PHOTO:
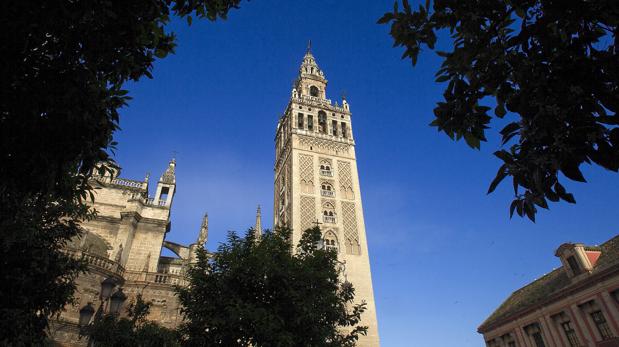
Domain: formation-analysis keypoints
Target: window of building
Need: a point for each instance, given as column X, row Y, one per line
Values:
column 508, row 340
column 322, row 122
column 325, row 168
column 601, row 324
column 573, row 265
column 300, row 121
column 328, row 213
column 334, row 127
column 344, row 131
column 615, row 295
column 538, row 339
column 330, row 241
column 570, row 334
column 327, row 189
column 163, row 197
column 535, row 333
column 310, row 122
column 314, row 90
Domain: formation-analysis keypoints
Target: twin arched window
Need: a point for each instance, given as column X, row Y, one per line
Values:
column 330, row 241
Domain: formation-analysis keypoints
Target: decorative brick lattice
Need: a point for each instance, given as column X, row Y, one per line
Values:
column 288, row 192
column 306, row 170
column 344, row 172
column 308, row 212
column 349, row 219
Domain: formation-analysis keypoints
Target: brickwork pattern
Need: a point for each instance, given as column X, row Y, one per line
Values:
column 308, row 212
column 349, row 219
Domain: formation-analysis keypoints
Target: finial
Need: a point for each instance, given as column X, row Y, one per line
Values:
column 258, row 226
column 309, row 46
column 147, row 177
column 343, row 94
column 203, row 235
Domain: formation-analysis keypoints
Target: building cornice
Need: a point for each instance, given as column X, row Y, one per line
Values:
column 588, row 282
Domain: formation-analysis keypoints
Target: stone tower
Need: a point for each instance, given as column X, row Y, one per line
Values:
column 316, row 181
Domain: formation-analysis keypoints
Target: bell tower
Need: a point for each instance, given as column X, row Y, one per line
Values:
column 316, row 181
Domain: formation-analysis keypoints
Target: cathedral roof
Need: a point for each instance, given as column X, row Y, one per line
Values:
column 550, row 287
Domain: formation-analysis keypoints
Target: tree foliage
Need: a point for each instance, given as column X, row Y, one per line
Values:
column 259, row 293
column 551, row 67
column 110, row 330
column 63, row 67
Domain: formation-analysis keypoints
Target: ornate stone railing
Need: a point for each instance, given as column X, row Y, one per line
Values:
column 326, row 173
column 328, row 219
column 97, row 261
column 328, row 193
column 127, row 183
column 156, row 277
column 151, row 201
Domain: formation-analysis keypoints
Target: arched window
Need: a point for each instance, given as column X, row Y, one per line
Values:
column 325, row 168
column 330, row 241
column 328, row 213
column 314, row 91
column 326, row 189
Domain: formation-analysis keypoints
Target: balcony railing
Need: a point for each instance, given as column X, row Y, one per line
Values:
column 156, row 277
column 328, row 193
column 127, row 183
column 151, row 201
column 326, row 173
column 328, row 219
column 97, row 261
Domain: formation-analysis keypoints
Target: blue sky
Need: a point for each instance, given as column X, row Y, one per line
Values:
column 443, row 253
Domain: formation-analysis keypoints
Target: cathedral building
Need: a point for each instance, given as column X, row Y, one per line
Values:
column 316, row 181
column 122, row 247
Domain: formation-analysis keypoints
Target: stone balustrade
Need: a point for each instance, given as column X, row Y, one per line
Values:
column 328, row 193
column 127, row 182
column 156, row 277
column 97, row 261
column 328, row 219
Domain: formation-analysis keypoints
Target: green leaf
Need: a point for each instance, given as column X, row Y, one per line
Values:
column 472, row 140
column 530, row 210
column 501, row 174
column 499, row 111
column 572, row 172
column 385, row 18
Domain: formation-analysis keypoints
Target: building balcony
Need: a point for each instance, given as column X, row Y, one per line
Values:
column 97, row 262
column 328, row 193
column 151, row 202
column 326, row 173
column 329, row 219
column 156, row 277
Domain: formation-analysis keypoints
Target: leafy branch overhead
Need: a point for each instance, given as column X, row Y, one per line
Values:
column 550, row 67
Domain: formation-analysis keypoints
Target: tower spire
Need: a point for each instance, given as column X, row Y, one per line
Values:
column 309, row 46
column 203, row 236
column 258, row 226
